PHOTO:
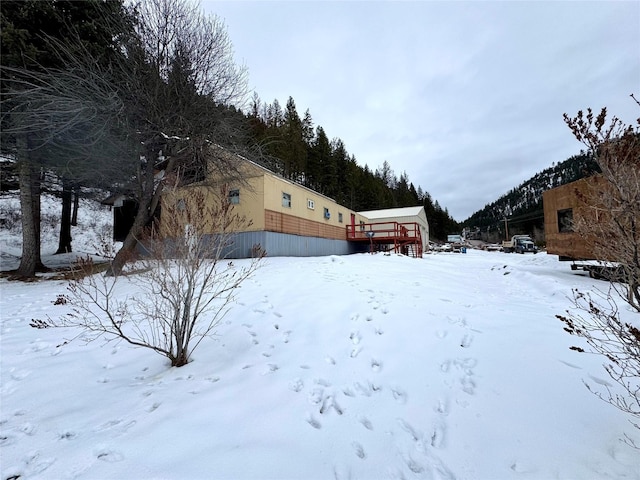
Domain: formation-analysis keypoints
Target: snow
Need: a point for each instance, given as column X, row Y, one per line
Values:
column 350, row 367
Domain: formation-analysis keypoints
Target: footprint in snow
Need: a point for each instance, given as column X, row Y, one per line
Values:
column 468, row 385
column 466, row 341
column 110, row 456
column 271, row 368
column 366, row 423
column 28, row 429
column 296, row 385
column 399, row 395
column 355, row 337
column 67, row 435
column 376, row 365
column 437, row 435
column 443, row 407
column 313, row 422
column 360, row 453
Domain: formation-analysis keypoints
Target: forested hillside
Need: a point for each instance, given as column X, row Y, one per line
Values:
column 292, row 146
column 522, row 206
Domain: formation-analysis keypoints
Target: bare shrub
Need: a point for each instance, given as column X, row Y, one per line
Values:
column 181, row 286
column 598, row 321
column 612, row 233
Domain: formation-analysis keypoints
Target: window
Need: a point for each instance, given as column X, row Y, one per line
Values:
column 361, row 225
column 565, row 220
column 181, row 205
column 311, row 205
column 286, row 200
column 327, row 215
column 234, row 196
column 340, row 217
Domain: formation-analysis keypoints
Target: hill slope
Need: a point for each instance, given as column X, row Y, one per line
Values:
column 522, row 205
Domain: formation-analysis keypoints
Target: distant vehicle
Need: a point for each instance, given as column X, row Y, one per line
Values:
column 456, row 242
column 519, row 244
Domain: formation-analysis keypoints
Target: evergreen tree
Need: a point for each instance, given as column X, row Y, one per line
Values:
column 45, row 122
column 294, row 148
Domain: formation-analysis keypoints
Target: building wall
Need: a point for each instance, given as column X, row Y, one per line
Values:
column 274, row 244
column 275, row 187
column 567, row 244
column 296, row 229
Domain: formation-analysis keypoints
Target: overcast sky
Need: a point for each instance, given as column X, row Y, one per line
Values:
column 466, row 97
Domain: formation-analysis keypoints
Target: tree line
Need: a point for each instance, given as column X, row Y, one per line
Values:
column 292, row 146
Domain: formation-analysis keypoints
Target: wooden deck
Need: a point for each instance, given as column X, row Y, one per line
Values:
column 404, row 238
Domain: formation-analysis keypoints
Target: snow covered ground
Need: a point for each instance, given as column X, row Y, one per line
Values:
column 354, row 367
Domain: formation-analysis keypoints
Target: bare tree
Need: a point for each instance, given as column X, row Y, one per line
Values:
column 180, row 75
column 183, row 285
column 610, row 224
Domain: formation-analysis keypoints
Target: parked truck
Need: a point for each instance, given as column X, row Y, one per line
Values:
column 519, row 244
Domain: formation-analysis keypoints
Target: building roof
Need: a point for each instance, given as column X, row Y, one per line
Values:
column 393, row 212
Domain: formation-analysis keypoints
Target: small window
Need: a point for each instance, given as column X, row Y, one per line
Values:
column 361, row 226
column 340, row 217
column 311, row 205
column 234, row 196
column 286, row 200
column 180, row 205
column 327, row 215
column 565, row 220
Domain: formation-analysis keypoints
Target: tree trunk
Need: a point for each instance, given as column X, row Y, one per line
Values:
column 127, row 251
column 147, row 205
column 64, row 244
column 76, row 205
column 30, row 262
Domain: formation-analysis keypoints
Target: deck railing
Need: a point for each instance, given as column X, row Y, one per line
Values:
column 402, row 237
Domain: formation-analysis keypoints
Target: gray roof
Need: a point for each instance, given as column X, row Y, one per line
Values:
column 393, row 212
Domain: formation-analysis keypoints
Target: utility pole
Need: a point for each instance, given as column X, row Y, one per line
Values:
column 506, row 228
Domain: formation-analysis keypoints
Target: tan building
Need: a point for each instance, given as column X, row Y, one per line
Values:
column 283, row 218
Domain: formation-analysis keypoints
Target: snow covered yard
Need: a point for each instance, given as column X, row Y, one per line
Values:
column 354, row 367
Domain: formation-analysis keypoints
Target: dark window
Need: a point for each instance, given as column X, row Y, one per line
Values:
column 286, row 200
column 234, row 196
column 565, row 220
